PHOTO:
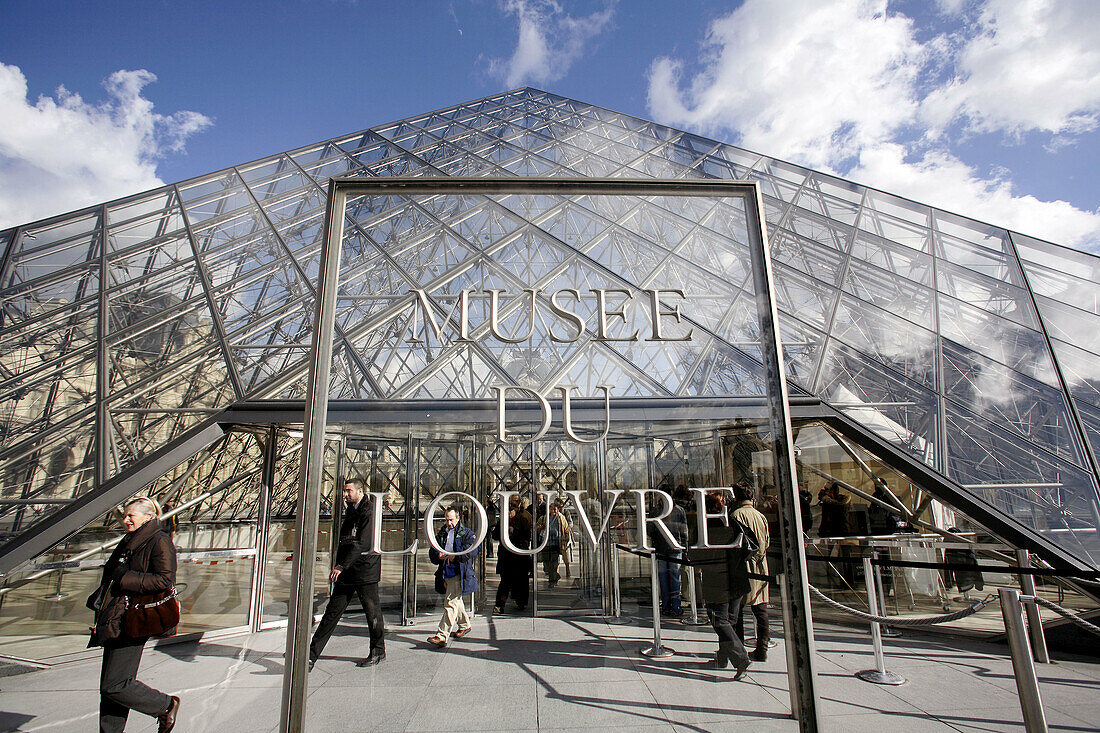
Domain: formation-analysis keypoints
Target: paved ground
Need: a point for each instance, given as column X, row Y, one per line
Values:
column 516, row 674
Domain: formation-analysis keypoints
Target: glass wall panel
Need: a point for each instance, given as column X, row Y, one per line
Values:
column 42, row 607
column 278, row 574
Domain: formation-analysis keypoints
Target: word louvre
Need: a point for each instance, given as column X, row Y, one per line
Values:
column 641, row 509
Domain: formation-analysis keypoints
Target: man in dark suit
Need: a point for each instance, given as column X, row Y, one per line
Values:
column 356, row 572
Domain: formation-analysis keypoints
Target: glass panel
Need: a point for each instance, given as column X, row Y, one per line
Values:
column 1020, row 348
column 1064, row 288
column 214, row 197
column 894, row 294
column 1023, row 481
column 895, row 342
column 1010, row 399
column 972, row 231
column 914, row 236
column 281, row 529
column 820, row 230
column 1064, row 322
column 996, row 264
column 1081, row 370
column 46, row 470
column 1080, row 265
column 167, row 221
column 47, row 389
column 988, row 293
column 893, row 407
column 144, row 262
column 894, row 258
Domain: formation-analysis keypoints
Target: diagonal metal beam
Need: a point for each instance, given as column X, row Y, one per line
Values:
column 86, row 508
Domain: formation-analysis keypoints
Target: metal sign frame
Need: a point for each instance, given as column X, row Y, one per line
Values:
column 801, row 654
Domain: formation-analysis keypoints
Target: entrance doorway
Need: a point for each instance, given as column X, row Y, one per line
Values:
column 413, row 464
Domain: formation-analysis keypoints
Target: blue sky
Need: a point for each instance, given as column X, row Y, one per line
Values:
column 985, row 107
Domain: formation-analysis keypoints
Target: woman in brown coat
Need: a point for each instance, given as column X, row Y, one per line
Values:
column 144, row 562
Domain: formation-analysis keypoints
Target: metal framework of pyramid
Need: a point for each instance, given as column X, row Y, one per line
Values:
column 974, row 349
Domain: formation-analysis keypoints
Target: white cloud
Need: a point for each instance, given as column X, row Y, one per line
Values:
column 816, row 81
column 550, row 41
column 1029, row 65
column 942, row 180
column 840, row 86
column 62, row 153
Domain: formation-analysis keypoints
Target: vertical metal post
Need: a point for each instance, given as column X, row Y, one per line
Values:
column 1023, row 668
column 694, row 619
column 58, row 595
column 616, row 597
column 293, row 709
column 787, row 648
column 408, row 562
column 801, row 674
column 883, row 628
column 656, row 651
column 533, row 597
column 259, row 566
column 878, row 675
column 1034, row 620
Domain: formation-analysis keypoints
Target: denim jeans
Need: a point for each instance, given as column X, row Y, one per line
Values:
column 668, row 575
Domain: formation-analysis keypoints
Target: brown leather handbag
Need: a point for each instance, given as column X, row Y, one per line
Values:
column 156, row 614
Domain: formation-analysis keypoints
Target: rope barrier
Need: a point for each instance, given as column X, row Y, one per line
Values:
column 1073, row 618
column 890, row 620
column 907, row 620
column 881, row 562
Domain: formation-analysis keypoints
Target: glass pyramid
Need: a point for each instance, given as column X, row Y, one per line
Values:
column 974, row 349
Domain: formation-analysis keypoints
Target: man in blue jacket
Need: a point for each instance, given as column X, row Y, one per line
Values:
column 356, row 573
column 454, row 576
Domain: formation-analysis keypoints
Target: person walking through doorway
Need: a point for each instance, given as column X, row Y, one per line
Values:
column 757, row 564
column 725, row 582
column 357, row 572
column 454, row 575
column 514, row 569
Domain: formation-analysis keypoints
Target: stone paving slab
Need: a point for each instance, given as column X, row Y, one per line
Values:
column 566, row 674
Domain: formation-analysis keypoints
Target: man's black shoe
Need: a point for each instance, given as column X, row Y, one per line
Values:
column 376, row 657
column 166, row 721
column 760, row 653
column 741, row 671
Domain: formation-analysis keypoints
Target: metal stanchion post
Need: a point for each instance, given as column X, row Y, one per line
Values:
column 656, row 651
column 1027, row 685
column 878, row 675
column 616, row 617
column 58, row 595
column 693, row 619
column 1034, row 620
column 883, row 629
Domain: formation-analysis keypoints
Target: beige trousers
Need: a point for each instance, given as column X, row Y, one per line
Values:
column 454, row 609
